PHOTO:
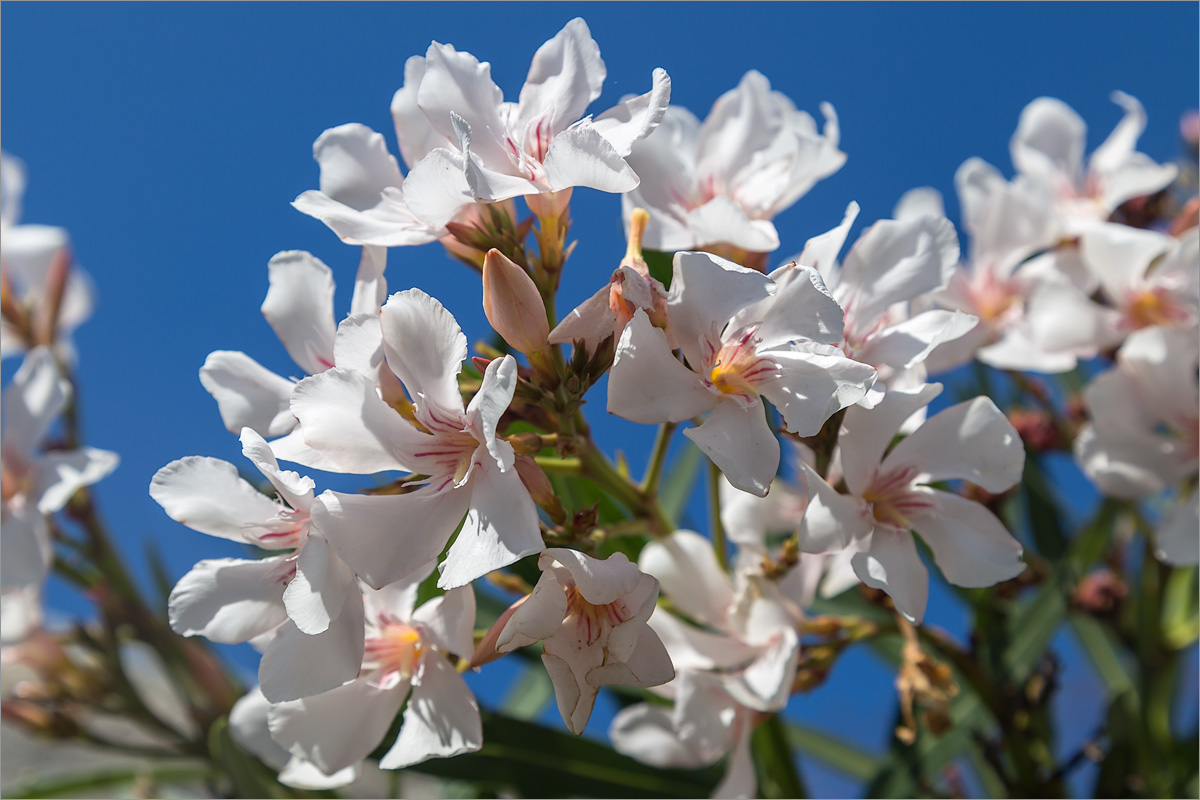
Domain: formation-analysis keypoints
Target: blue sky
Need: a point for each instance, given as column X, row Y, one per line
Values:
column 170, row 138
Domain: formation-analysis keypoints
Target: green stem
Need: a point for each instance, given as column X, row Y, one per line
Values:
column 561, row 466
column 595, row 465
column 778, row 775
column 714, row 514
column 658, row 458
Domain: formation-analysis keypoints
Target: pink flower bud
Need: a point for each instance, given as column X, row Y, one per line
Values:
column 513, row 305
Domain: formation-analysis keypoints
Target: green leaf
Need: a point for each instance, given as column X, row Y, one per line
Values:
column 540, row 762
column 660, row 265
column 119, row 781
column 1102, row 647
column 1045, row 519
column 677, row 486
column 774, row 762
column 1181, row 609
column 832, row 751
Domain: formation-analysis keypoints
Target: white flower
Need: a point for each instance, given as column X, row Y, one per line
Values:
column 304, row 600
column 404, row 658
column 592, row 615
column 889, row 496
column 1144, row 436
column 745, row 336
column 299, row 307
column 1048, row 147
column 536, row 145
column 34, row 485
column 724, row 180
column 468, row 469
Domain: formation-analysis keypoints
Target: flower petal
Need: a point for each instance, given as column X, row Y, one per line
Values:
column 34, row 399
column 385, row 538
column 501, row 527
column 230, row 600
column 297, row 665
column 208, row 495
column 425, row 348
column 635, row 118
column 803, row 309
column 891, row 563
column 414, row 134
column 458, row 83
column 600, row 581
column 686, row 567
column 706, row 291
column 436, row 188
column 489, row 404
column 722, row 220
column 647, row 384
column 565, row 76
column 299, row 307
column 740, row 442
column 1176, row 541
column 866, row 433
column 442, row 718
column 832, row 521
column 970, row 545
column 448, row 621
column 321, row 585
column 61, row 473
column 813, row 383
column 370, row 286
column 647, row 733
column 1049, row 140
column 248, row 394
column 580, row 156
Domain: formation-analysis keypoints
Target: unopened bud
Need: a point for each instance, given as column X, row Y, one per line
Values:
column 1100, row 592
column 485, row 651
column 513, row 305
column 1036, row 428
column 540, row 488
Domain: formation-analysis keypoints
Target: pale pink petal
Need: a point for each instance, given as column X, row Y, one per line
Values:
column 565, row 76
column 339, row 728
column 343, row 418
column 385, row 538
column 501, row 527
column 538, row 617
column 686, row 567
column 649, row 385
column 866, row 433
column 814, row 382
column 208, row 495
column 297, row 664
column 448, row 621
column 694, row 648
column 1049, row 140
column 489, row 404
column 832, row 521
column 647, row 665
column 600, row 581
column 766, row 683
column 321, row 585
column 970, row 545
column 425, row 348
column 34, row 399
column 635, row 118
column 739, row 780
column 592, row 321
column 574, row 696
column 230, row 600
column 972, row 441
column 647, row 733
column 706, row 291
column 891, row 563
column 60, row 473
column 248, row 394
column 299, row 306
column 580, row 156
column 722, row 220
column 442, row 718
column 740, row 442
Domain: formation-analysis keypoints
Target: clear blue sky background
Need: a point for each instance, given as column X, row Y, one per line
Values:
column 170, row 138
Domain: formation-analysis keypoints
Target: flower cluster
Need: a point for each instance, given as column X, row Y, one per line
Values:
column 365, row 603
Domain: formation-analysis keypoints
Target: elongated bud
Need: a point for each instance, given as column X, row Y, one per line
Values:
column 633, row 252
column 485, row 651
column 540, row 488
column 513, row 305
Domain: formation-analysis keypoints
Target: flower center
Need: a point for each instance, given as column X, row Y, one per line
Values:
column 1152, row 307
column 892, row 498
column 591, row 620
column 737, row 369
column 395, row 648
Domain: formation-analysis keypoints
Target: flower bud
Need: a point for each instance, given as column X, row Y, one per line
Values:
column 513, row 305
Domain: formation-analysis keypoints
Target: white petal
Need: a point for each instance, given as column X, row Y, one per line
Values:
column 20, row 613
column 370, row 286
column 1120, row 255
column 489, row 404
column 970, row 545
column 295, row 489
column 1061, row 317
column 908, row 343
column 767, row 682
column 321, row 585
column 448, row 621
column 207, row 495
column 248, row 394
column 600, row 581
column 892, row 564
column 739, row 780
column 647, row 665
column 706, row 291
column 300, row 773
column 803, row 309
column 385, row 538
column 647, row 733
column 538, row 617
column 832, row 521
column 442, row 718
column 1016, row 350
column 248, row 727
column 25, row 551
column 458, row 83
column 414, row 134
column 501, row 527
column 866, row 433
column 36, row 396
column 923, row 201
column 230, row 600
column 687, row 571
column 814, row 382
column 355, row 165
column 389, row 224
column 338, row 728
column 1049, row 140
column 436, row 188
column 343, row 418
column 894, row 262
column 299, row 306
column 694, row 648
column 972, row 440
column 592, row 321
column 582, row 157
column 425, row 348
column 634, row 118
column 565, row 76
column 722, row 220
column 740, row 442
column 820, row 252
column 649, row 385
column 61, row 473
column 1139, row 176
column 297, row 665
